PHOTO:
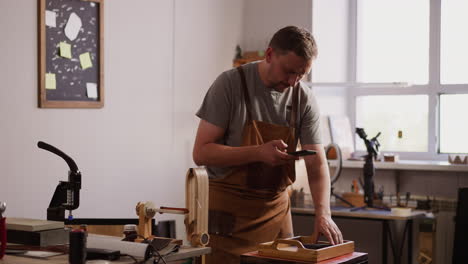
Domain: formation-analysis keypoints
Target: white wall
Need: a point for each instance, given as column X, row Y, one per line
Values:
column 262, row 18
column 330, row 29
column 160, row 58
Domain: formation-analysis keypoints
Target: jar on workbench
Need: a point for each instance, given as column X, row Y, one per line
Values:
column 130, row 233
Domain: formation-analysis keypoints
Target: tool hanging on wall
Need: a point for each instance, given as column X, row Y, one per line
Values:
column 196, row 197
column 67, row 193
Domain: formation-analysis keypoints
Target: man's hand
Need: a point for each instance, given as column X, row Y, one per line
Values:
column 324, row 225
column 206, row 150
column 274, row 153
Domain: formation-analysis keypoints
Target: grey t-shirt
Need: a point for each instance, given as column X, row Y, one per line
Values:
column 224, row 106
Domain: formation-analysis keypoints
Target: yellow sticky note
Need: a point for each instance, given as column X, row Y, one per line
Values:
column 50, row 81
column 85, row 60
column 65, row 50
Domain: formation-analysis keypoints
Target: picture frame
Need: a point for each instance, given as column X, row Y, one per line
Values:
column 71, row 57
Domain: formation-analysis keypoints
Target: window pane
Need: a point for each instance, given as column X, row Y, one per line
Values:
column 390, row 114
column 454, row 40
column 393, row 41
column 453, row 123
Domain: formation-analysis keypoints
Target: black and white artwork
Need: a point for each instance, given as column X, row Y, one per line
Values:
column 72, row 50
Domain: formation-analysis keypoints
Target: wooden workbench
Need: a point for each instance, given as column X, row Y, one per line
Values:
column 183, row 253
column 344, row 217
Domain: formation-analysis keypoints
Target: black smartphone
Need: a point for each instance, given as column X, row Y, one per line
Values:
column 303, row 152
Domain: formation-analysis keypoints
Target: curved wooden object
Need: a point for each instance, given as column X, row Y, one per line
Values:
column 196, row 198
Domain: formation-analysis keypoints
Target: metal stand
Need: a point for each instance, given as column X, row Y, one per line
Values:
column 67, row 193
column 372, row 146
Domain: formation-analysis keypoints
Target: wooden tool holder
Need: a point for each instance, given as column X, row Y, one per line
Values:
column 196, row 197
column 145, row 212
column 294, row 249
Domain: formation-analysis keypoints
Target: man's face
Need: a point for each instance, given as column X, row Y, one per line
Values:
column 286, row 69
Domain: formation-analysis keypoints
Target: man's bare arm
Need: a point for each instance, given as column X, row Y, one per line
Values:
column 207, row 152
column 319, row 183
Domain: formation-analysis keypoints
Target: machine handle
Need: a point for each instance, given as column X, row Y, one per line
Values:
column 182, row 210
column 71, row 163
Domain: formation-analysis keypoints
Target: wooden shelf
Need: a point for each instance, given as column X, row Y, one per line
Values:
column 369, row 214
column 247, row 57
column 420, row 165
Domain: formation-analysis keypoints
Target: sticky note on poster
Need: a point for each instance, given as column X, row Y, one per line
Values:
column 65, row 50
column 73, row 26
column 50, row 82
column 91, row 90
column 85, row 60
column 50, row 18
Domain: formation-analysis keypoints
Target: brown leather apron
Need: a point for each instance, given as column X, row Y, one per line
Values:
column 250, row 205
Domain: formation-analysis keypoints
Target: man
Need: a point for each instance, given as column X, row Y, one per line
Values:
column 250, row 118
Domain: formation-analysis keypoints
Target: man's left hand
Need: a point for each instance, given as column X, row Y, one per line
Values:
column 324, row 225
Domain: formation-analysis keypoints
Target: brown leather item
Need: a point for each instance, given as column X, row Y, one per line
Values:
column 221, row 223
column 250, row 205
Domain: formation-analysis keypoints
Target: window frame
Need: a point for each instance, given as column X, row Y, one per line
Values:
column 433, row 88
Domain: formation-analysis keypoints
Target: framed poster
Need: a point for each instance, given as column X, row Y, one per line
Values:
column 71, row 70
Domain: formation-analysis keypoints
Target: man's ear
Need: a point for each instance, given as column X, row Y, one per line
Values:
column 268, row 54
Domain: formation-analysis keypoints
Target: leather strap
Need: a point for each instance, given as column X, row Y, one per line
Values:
column 246, row 93
column 295, row 99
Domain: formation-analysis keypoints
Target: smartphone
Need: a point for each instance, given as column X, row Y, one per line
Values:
column 303, row 152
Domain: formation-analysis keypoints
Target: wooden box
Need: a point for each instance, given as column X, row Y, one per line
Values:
column 294, row 249
column 355, row 199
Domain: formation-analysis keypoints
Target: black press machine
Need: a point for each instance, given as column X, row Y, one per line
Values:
column 67, row 193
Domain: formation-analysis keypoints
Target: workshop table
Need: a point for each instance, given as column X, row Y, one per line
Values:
column 184, row 252
column 382, row 216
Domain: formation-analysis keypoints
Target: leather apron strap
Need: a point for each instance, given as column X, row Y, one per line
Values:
column 245, row 92
column 248, row 105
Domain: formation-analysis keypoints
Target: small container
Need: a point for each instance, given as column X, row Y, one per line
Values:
column 401, row 211
column 130, row 233
column 77, row 252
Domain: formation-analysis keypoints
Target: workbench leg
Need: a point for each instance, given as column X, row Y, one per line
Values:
column 199, row 260
column 384, row 241
column 410, row 242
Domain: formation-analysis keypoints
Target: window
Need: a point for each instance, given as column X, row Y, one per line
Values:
column 453, row 123
column 393, row 47
column 393, row 41
column 406, row 73
column 454, row 40
column 401, row 120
